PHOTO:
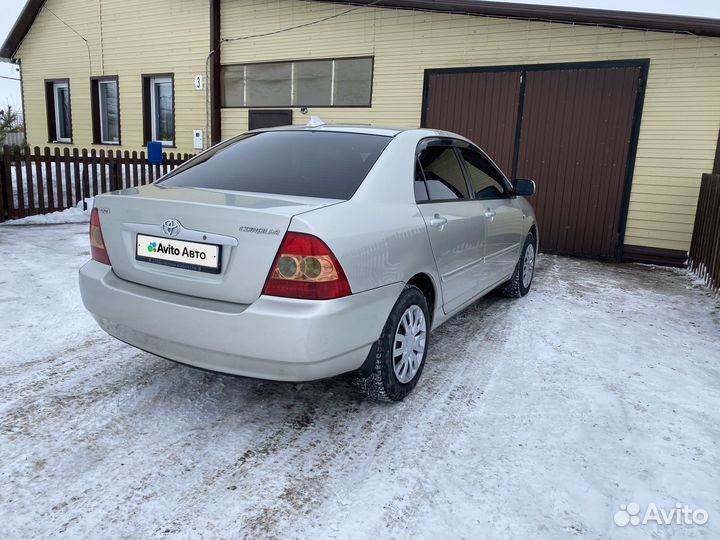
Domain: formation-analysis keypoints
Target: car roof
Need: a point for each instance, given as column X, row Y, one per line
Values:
column 364, row 129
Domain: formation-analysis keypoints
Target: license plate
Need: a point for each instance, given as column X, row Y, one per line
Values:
column 178, row 253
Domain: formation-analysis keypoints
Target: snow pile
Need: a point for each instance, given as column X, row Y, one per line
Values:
column 69, row 215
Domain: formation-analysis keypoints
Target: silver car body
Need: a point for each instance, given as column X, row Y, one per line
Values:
column 381, row 237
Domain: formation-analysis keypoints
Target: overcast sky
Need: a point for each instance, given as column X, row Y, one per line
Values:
column 10, row 90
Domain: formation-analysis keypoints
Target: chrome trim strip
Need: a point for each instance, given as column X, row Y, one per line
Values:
column 502, row 251
column 468, row 266
column 185, row 234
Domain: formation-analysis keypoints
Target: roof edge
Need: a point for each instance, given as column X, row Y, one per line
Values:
column 699, row 26
column 20, row 29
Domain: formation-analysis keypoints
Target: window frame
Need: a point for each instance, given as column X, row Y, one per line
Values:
column 484, row 156
column 292, row 94
column 149, row 121
column 450, row 143
column 97, row 110
column 457, row 144
column 51, row 108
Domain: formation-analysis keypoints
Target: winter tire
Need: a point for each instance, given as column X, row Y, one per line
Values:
column 521, row 280
column 401, row 350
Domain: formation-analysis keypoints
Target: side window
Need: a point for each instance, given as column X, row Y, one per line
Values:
column 443, row 176
column 105, row 107
column 421, row 194
column 159, row 109
column 59, row 117
column 485, row 181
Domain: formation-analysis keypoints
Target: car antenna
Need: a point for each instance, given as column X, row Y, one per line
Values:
column 315, row 121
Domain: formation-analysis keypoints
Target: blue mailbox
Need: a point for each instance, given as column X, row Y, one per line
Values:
column 155, row 153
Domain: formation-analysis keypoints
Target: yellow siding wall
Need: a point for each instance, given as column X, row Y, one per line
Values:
column 138, row 37
column 681, row 116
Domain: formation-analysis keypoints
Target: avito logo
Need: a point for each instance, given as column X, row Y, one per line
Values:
column 169, row 249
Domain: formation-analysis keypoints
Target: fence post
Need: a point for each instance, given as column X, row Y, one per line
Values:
column 4, row 182
column 67, row 178
column 85, row 177
column 49, row 180
column 143, row 164
column 59, row 189
column 112, row 174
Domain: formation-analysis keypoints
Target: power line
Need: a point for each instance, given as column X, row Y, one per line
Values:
column 87, row 45
column 274, row 32
column 304, row 25
column 10, row 78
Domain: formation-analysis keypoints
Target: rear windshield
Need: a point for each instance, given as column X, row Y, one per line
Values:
column 322, row 164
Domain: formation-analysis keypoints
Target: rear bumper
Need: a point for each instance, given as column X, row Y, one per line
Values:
column 274, row 338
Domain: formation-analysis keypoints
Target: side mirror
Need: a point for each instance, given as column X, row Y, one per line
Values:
column 523, row 187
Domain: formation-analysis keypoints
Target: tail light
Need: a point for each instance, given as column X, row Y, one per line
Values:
column 306, row 268
column 97, row 244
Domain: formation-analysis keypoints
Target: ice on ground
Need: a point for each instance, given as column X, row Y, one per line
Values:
column 534, row 418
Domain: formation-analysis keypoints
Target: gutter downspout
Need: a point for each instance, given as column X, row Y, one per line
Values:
column 214, row 82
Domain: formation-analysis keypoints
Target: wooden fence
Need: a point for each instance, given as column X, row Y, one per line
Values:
column 35, row 182
column 705, row 246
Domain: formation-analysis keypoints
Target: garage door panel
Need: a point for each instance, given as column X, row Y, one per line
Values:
column 575, row 142
column 480, row 106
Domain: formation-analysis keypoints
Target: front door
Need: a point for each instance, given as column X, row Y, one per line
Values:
column 502, row 216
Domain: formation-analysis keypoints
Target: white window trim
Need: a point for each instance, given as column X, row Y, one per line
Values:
column 153, row 107
column 332, row 85
column 57, row 86
column 103, row 139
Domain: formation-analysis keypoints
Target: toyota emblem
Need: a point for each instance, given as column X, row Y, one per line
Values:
column 171, row 227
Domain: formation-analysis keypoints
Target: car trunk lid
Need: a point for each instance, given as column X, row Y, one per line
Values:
column 247, row 227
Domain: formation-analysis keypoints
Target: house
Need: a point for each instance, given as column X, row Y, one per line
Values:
column 615, row 115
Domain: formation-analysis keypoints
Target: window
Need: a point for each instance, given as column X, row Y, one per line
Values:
column 268, row 84
column 443, row 176
column 313, row 83
column 343, row 82
column 352, row 82
column 485, row 180
column 325, row 164
column 59, row 117
column 159, row 109
column 105, row 104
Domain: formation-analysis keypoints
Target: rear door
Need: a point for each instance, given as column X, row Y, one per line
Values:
column 501, row 213
column 454, row 225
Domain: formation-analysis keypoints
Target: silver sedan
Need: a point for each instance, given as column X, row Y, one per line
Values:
column 296, row 254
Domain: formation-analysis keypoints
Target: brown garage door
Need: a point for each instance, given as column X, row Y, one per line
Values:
column 481, row 106
column 575, row 137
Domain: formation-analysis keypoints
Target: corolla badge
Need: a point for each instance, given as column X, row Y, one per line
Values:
column 171, row 227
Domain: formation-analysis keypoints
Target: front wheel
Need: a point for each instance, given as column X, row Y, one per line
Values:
column 401, row 349
column 519, row 284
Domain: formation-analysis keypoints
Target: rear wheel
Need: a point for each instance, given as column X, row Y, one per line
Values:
column 519, row 284
column 401, row 350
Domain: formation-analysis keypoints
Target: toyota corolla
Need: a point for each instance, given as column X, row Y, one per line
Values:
column 295, row 254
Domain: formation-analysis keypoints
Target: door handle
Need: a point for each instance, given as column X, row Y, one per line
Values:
column 490, row 213
column 438, row 221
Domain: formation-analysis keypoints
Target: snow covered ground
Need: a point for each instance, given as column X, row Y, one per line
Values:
column 76, row 214
column 535, row 418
